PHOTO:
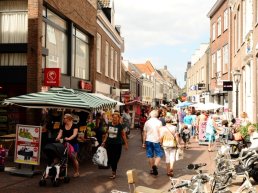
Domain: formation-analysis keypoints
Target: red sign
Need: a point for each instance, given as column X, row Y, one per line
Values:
column 85, row 85
column 52, row 77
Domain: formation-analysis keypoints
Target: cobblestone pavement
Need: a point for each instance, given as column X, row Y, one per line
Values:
column 94, row 180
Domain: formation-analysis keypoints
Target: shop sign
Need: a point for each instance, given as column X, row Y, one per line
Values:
column 124, row 85
column 85, row 85
column 27, row 145
column 52, row 77
column 227, row 85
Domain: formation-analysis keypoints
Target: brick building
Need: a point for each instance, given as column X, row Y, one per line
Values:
column 220, row 60
column 39, row 34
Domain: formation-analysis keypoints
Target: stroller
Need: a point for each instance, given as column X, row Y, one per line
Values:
column 57, row 158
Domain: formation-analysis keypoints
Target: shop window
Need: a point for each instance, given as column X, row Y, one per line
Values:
column 54, row 32
column 13, row 29
column 81, row 64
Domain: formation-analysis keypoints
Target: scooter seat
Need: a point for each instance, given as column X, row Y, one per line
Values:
column 232, row 142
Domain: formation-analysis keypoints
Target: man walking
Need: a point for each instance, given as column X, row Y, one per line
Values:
column 151, row 141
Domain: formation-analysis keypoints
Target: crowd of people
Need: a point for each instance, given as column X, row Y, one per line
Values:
column 163, row 132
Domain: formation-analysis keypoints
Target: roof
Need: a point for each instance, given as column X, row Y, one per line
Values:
column 215, row 7
column 146, row 68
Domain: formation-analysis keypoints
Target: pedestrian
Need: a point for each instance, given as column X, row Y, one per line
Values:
column 69, row 132
column 170, row 142
column 143, row 119
column 188, row 120
column 113, row 141
column 127, row 121
column 185, row 135
column 151, row 141
column 211, row 130
column 161, row 116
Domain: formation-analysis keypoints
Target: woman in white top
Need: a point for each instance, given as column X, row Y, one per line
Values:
column 170, row 141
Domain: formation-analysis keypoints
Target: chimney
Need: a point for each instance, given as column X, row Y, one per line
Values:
column 165, row 67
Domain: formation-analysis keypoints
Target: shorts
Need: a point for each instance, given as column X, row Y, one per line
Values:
column 153, row 149
column 76, row 147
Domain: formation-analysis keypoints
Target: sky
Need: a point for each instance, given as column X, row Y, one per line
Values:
column 166, row 32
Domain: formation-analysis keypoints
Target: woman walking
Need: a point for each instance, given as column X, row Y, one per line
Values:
column 113, row 142
column 170, row 141
column 69, row 133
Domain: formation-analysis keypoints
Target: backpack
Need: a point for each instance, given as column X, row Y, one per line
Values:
column 169, row 140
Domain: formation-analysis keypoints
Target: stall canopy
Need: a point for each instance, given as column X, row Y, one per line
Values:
column 107, row 98
column 62, row 98
column 207, row 106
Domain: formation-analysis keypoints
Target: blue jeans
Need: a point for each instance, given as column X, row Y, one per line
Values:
column 153, row 149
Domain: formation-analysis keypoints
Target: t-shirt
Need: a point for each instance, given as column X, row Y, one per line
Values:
column 152, row 127
column 114, row 134
column 188, row 120
column 69, row 133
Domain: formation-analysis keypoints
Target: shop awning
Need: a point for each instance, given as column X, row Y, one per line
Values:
column 61, row 98
column 107, row 98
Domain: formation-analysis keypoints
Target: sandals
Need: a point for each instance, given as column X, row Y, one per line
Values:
column 170, row 174
column 113, row 176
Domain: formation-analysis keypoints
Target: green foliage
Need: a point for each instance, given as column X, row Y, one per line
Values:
column 244, row 130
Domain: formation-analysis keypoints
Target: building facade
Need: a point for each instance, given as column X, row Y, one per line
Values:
column 220, row 46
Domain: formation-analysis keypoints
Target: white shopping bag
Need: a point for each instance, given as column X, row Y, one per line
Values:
column 179, row 154
column 100, row 157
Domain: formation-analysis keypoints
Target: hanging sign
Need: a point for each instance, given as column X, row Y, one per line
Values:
column 27, row 145
column 52, row 77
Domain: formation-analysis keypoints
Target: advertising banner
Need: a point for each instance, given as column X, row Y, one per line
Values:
column 202, row 130
column 27, row 145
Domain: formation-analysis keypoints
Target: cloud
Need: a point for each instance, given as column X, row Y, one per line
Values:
column 169, row 22
column 166, row 32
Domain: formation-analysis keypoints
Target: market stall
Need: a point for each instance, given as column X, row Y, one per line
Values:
column 58, row 101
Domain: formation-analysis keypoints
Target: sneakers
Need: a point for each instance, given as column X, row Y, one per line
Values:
column 155, row 170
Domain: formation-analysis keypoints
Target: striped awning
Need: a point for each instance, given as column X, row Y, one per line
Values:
column 61, row 98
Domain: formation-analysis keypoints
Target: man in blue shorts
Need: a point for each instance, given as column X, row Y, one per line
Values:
column 151, row 141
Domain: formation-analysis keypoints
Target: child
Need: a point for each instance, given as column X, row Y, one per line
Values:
column 185, row 134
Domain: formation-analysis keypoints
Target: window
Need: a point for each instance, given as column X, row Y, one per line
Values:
column 235, row 34
column 112, row 62
column 213, row 64
column 213, row 31
column 98, row 53
column 106, row 58
column 202, row 74
column 13, row 29
column 225, row 19
column 256, row 11
column 238, row 28
column 54, row 33
column 81, row 61
column 219, row 26
column 243, row 20
column 225, row 58
column 218, row 61
column 115, row 65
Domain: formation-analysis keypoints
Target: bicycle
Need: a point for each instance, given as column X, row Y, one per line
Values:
column 197, row 184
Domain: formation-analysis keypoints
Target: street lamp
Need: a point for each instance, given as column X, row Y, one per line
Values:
column 237, row 79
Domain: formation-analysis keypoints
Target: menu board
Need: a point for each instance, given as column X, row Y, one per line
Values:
column 27, row 145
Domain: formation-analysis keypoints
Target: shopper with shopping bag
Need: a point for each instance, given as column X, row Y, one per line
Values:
column 113, row 141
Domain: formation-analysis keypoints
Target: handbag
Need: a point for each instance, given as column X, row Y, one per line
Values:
column 179, row 154
column 169, row 141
